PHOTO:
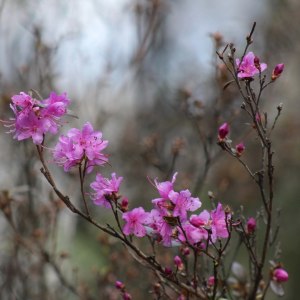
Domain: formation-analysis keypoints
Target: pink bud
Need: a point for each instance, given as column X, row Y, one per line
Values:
column 181, row 297
column 211, row 281
column 168, row 271
column 240, row 148
column 258, row 117
column 223, row 131
column 202, row 245
column 280, row 275
column 257, row 63
column 119, row 285
column 124, row 204
column 178, row 262
column 251, row 225
column 277, row 71
column 127, row 296
column 185, row 251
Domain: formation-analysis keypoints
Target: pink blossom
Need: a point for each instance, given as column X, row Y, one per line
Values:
column 251, row 225
column 223, row 131
column 183, row 203
column 164, row 188
column 157, row 220
column 23, row 100
column 105, row 187
column 280, row 275
column 218, row 223
column 135, row 220
column 277, row 71
column 28, row 125
column 240, row 148
column 201, row 220
column 247, row 68
column 195, row 230
column 78, row 145
column 193, row 234
column 54, row 107
column 34, row 118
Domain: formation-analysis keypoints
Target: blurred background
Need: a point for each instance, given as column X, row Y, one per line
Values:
column 145, row 73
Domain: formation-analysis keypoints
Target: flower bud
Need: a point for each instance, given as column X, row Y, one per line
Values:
column 119, row 285
column 257, row 63
column 223, row 131
column 168, row 271
column 211, row 281
column 127, row 296
column 251, row 225
column 178, row 262
column 185, row 251
column 240, row 148
column 280, row 275
column 124, row 204
column 277, row 71
column 258, row 117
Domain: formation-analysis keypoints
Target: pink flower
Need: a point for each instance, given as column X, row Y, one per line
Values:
column 223, row 131
column 194, row 230
column 164, row 188
column 23, row 100
column 78, row 145
column 280, row 275
column 201, row 220
column 105, row 187
column 28, row 125
column 247, row 68
column 54, row 107
column 157, row 220
column 193, row 234
column 34, row 118
column 135, row 221
column 277, row 71
column 240, row 148
column 218, row 223
column 183, row 203
column 251, row 225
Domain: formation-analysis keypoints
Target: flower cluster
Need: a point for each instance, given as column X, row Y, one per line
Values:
column 80, row 145
column 169, row 222
column 33, row 118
